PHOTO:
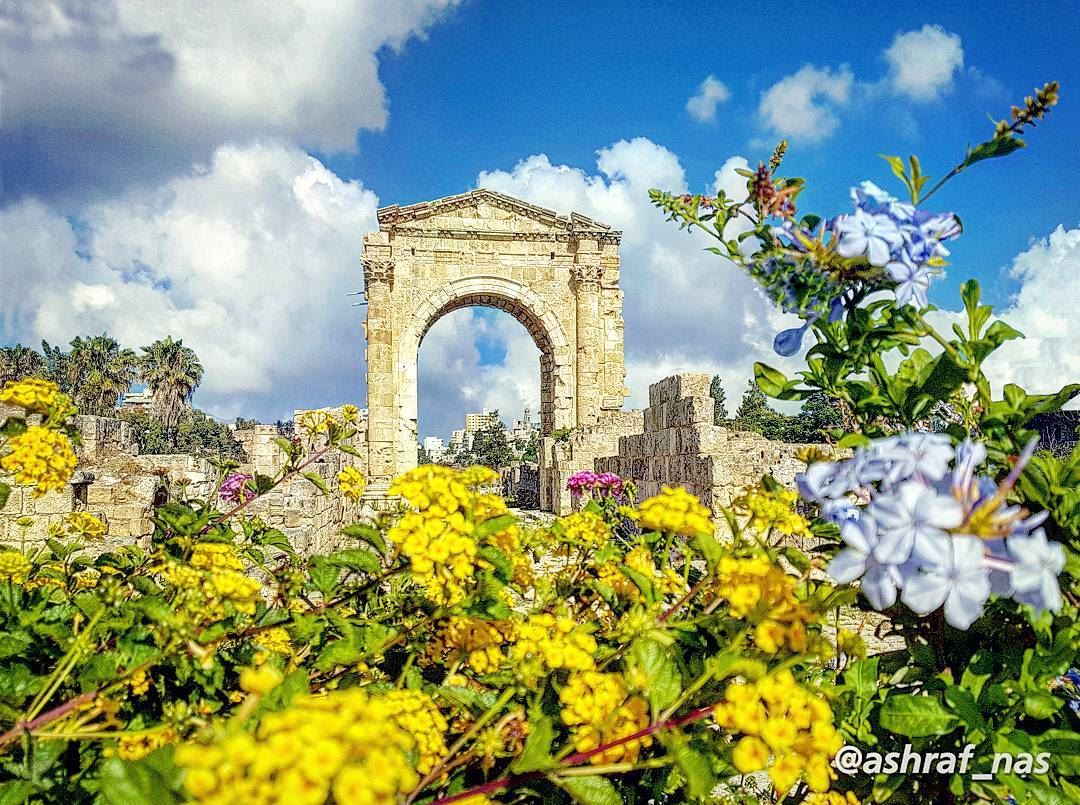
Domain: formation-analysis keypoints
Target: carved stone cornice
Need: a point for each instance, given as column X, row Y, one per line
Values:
column 376, row 271
column 405, row 220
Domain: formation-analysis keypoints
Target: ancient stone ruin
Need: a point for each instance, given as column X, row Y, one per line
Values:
column 559, row 276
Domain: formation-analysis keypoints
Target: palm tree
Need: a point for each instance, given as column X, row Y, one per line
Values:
column 18, row 362
column 172, row 371
column 97, row 372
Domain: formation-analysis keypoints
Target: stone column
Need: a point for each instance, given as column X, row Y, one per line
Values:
column 590, row 337
column 381, row 378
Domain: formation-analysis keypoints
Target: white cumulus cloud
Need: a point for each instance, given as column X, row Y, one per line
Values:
column 1049, row 356
column 248, row 259
column 711, row 93
column 685, row 308
column 922, row 63
column 95, row 90
column 803, row 105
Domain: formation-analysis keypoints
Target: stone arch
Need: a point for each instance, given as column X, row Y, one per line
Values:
column 556, row 274
column 510, row 296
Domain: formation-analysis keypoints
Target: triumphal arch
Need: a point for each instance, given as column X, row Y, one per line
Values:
column 558, row 275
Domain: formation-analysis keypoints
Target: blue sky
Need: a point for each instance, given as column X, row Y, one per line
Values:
column 158, row 174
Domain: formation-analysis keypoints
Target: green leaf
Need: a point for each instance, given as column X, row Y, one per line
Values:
column 696, row 768
column 769, row 380
column 366, row 533
column 853, row 440
column 661, row 670
column 318, row 481
column 536, row 753
column 324, row 575
column 5, row 493
column 16, row 792
column 642, row 582
column 992, row 149
column 356, row 559
column 916, row 716
column 504, row 568
column 862, row 678
column 999, row 332
column 1041, row 704
column 142, row 782
column 494, row 525
column 963, row 704
column 590, row 790
column 346, row 651
column 709, row 547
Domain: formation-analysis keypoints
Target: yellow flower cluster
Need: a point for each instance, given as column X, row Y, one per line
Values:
column 508, row 539
column 87, row 526
column 587, row 527
column 314, row 423
column 478, row 475
column 35, row 395
column 774, row 510
column 14, row 567
column 761, row 592
column 674, row 511
column 352, row 483
column 480, row 641
column 350, row 414
column 40, row 457
column 261, row 679
column 214, row 576
column 437, row 536
column 133, row 747
column 600, row 710
column 346, row 743
column 781, row 720
column 416, row 713
column 276, row 640
column 546, row 642
column 139, row 682
column 640, row 560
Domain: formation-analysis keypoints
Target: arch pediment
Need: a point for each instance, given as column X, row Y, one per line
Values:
column 484, row 213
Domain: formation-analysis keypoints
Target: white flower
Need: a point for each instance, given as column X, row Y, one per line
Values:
column 876, row 236
column 913, row 521
column 961, row 583
column 1037, row 564
column 879, row 581
column 912, row 282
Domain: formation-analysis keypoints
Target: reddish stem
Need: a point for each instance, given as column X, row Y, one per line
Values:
column 47, row 717
column 580, row 757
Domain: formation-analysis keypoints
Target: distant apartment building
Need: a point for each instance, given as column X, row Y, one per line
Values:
column 435, row 448
column 138, row 400
column 477, row 422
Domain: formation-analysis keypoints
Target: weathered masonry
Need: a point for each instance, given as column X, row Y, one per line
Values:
column 557, row 275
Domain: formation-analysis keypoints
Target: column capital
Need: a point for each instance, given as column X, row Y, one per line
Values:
column 376, row 271
column 587, row 274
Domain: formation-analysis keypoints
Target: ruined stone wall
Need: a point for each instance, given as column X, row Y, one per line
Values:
column 579, row 451
column 680, row 446
column 521, row 485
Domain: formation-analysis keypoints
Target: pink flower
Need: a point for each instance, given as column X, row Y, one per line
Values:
column 234, row 488
column 606, row 483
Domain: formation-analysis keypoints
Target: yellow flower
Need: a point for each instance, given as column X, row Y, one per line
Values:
column 14, row 567
column 346, row 743
column 133, row 747
column 761, row 592
column 314, row 422
column 87, row 526
column 546, row 642
column 40, row 457
column 276, row 640
column 352, row 483
column 675, row 511
column 260, row 680
column 35, row 395
column 750, row 755
column 350, row 414
column 780, row 718
column 774, row 510
column 600, row 711
column 139, row 683
column 587, row 527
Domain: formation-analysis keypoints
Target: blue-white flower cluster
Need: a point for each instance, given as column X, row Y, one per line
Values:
column 899, row 237
column 917, row 519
